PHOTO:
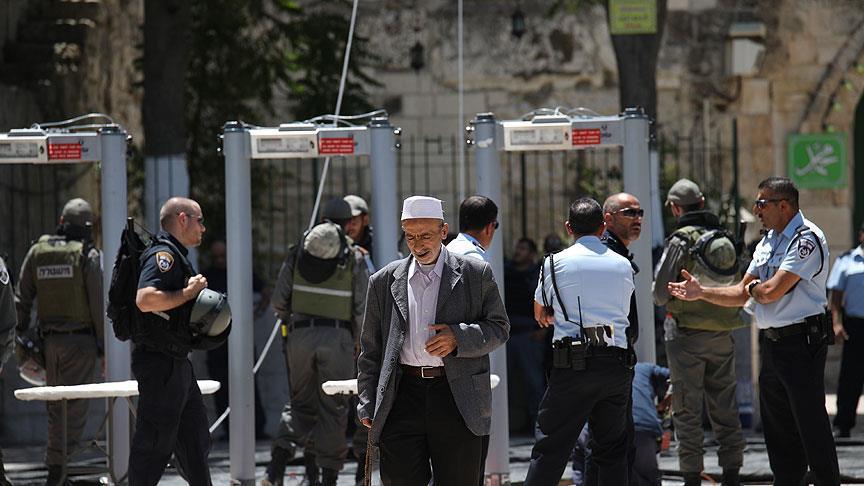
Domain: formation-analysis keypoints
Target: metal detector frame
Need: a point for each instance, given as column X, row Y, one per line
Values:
column 107, row 147
column 241, row 145
column 556, row 133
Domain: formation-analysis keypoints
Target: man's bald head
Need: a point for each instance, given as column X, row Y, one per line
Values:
column 173, row 207
column 618, row 201
column 182, row 217
column 623, row 216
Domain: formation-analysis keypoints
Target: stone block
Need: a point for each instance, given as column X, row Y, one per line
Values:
column 755, row 96
column 448, row 104
column 697, row 5
column 673, row 5
column 417, row 105
column 835, row 221
column 827, row 48
column 802, row 50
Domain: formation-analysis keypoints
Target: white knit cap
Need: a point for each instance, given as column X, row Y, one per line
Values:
column 422, row 207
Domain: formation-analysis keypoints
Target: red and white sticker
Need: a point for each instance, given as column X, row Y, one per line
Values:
column 336, row 146
column 586, row 136
column 64, row 151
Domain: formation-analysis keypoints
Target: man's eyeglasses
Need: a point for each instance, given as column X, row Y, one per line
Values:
column 200, row 219
column 497, row 224
column 762, row 203
column 631, row 212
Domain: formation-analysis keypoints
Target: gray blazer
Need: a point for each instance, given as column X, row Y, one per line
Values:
column 468, row 300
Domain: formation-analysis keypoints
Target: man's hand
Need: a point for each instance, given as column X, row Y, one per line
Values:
column 689, row 289
column 840, row 331
column 442, row 343
column 366, row 422
column 194, row 287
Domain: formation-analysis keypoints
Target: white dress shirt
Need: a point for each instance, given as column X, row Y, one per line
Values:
column 423, row 285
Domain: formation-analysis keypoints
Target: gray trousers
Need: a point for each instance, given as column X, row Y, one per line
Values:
column 312, row 419
column 702, row 365
column 69, row 360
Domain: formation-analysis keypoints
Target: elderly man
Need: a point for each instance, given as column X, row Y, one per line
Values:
column 431, row 321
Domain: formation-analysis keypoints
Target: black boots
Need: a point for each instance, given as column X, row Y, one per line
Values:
column 55, row 476
column 730, row 478
column 692, row 479
column 311, row 467
column 329, row 477
column 279, row 458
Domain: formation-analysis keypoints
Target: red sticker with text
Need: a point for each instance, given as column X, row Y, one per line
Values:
column 64, row 151
column 336, row 146
column 586, row 136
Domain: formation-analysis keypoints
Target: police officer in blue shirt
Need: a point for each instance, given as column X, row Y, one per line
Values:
column 786, row 279
column 846, row 283
column 584, row 292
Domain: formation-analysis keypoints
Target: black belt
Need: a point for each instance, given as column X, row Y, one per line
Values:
column 318, row 322
column 814, row 322
column 424, row 371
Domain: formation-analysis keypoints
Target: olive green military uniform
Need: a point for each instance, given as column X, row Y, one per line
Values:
column 64, row 278
column 7, row 335
column 700, row 351
column 320, row 322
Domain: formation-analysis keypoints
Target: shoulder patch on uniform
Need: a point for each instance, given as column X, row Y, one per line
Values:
column 164, row 261
column 805, row 248
column 4, row 274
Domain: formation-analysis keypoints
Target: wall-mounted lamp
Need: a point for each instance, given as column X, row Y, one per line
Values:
column 417, row 56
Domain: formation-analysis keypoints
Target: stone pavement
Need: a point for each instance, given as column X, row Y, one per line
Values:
column 25, row 468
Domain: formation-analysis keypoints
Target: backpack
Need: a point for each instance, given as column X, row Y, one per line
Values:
column 122, row 309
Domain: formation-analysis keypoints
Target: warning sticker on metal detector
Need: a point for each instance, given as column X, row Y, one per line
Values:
column 586, row 136
column 336, row 146
column 64, row 151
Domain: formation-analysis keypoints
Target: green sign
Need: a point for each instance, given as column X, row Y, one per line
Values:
column 632, row 17
column 818, row 161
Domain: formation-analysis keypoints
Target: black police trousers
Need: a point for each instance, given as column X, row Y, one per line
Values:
column 171, row 419
column 598, row 395
column 851, row 381
column 794, row 419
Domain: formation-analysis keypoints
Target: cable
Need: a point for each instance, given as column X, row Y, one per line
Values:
column 347, row 58
column 261, row 357
column 73, row 120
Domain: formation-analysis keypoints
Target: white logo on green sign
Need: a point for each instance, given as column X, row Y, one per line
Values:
column 817, row 161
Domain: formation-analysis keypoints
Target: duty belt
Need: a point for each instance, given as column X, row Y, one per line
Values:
column 817, row 326
column 83, row 330
column 594, row 335
column 322, row 322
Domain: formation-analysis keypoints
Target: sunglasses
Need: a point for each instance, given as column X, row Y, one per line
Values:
column 762, row 203
column 200, row 219
column 631, row 212
column 497, row 224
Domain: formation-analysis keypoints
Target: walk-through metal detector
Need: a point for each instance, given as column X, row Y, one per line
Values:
column 241, row 145
column 107, row 147
column 558, row 132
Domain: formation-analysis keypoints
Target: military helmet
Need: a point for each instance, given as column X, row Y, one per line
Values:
column 211, row 313
column 77, row 212
column 715, row 252
column 322, row 249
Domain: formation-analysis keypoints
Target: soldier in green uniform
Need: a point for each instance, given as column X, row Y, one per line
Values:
column 7, row 333
column 320, row 296
column 698, row 338
column 62, row 273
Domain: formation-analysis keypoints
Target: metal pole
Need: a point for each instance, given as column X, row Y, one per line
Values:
column 637, row 181
column 238, row 215
column 385, row 209
column 117, row 358
column 488, row 171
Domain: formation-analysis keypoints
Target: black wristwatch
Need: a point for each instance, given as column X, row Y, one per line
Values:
column 751, row 286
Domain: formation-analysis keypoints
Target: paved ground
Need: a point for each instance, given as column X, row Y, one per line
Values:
column 25, row 468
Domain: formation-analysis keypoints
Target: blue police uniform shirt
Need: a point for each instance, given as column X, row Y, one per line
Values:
column 847, row 275
column 600, row 278
column 466, row 245
column 161, row 268
column 799, row 251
